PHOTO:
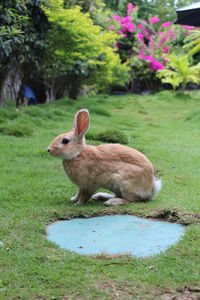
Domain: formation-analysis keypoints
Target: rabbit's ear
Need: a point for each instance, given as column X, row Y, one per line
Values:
column 81, row 122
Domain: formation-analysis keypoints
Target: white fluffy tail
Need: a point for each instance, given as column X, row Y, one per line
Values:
column 157, row 187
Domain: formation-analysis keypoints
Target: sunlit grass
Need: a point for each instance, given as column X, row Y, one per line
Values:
column 34, row 191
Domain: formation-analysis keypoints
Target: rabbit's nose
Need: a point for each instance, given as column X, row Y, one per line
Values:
column 49, row 150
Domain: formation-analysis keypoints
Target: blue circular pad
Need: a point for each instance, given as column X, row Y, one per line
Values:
column 118, row 234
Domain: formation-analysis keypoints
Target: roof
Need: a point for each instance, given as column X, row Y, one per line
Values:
column 190, row 7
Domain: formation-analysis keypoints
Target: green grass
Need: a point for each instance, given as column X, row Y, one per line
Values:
column 108, row 136
column 34, row 191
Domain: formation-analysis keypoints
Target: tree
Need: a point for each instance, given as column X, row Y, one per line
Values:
column 22, row 38
column 120, row 6
column 80, row 52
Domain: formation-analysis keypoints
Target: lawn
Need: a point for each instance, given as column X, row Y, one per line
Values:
column 34, row 191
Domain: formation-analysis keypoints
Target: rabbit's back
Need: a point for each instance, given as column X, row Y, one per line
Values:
column 118, row 168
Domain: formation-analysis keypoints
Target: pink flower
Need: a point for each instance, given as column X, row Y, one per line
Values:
column 164, row 60
column 144, row 22
column 129, row 27
column 117, row 18
column 166, row 24
column 141, row 55
column 126, row 19
column 190, row 28
column 165, row 49
column 154, row 20
column 153, row 63
column 156, row 65
column 140, row 26
column 150, row 38
column 145, row 32
column 130, row 8
column 127, row 24
column 110, row 27
column 140, row 36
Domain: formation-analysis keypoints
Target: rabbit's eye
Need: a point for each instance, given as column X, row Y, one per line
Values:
column 65, row 141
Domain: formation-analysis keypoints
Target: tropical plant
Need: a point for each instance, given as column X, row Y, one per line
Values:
column 192, row 42
column 179, row 71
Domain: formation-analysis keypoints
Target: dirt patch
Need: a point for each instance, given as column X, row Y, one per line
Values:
column 68, row 297
column 115, row 290
column 186, row 293
column 175, row 216
column 168, row 215
column 127, row 290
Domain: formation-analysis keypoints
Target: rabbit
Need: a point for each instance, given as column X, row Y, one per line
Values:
column 121, row 169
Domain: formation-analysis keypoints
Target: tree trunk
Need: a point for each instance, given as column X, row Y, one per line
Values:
column 1, row 93
column 3, row 76
column 50, row 91
column 9, row 85
column 132, row 81
column 73, row 88
column 50, row 95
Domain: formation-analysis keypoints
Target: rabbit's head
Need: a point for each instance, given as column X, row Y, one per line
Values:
column 69, row 145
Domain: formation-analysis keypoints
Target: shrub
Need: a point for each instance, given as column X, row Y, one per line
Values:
column 81, row 51
column 7, row 115
column 16, row 129
column 145, row 44
column 109, row 136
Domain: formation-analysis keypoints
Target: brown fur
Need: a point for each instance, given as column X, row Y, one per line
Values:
column 123, row 170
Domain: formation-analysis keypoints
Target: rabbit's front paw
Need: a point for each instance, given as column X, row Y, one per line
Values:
column 80, row 202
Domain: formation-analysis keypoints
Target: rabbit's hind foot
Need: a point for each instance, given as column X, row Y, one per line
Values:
column 116, row 201
column 102, row 196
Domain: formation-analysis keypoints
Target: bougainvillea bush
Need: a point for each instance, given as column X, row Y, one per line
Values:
column 145, row 44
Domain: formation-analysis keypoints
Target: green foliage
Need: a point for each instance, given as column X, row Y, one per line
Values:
column 100, row 111
column 11, row 34
column 109, row 136
column 16, row 128
column 22, row 33
column 5, row 115
column 165, row 9
column 120, row 6
column 80, row 50
column 192, row 42
column 97, row 9
column 179, row 71
column 22, row 39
